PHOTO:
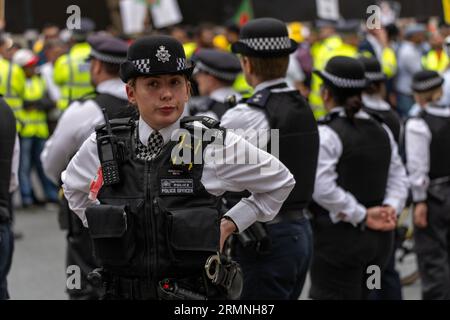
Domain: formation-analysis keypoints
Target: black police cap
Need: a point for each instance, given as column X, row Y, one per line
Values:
column 155, row 55
column 344, row 73
column 108, row 49
column 426, row 80
column 373, row 69
column 264, row 37
column 220, row 64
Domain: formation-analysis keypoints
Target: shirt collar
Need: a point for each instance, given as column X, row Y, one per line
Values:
column 114, row 87
column 375, row 103
column 269, row 83
column 437, row 110
column 145, row 130
column 222, row 94
column 361, row 114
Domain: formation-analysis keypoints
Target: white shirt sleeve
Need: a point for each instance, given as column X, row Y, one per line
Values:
column 269, row 181
column 417, row 145
column 14, row 182
column 247, row 122
column 341, row 205
column 74, row 127
column 78, row 176
column 397, row 183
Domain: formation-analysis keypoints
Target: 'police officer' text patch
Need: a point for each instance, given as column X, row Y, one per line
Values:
column 177, row 186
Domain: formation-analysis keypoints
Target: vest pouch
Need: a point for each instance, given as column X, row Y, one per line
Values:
column 193, row 235
column 111, row 234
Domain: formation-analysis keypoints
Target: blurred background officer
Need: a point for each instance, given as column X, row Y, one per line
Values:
column 215, row 72
column 374, row 96
column 71, row 71
column 427, row 140
column 172, row 209
column 12, row 78
column 409, row 62
column 436, row 59
column 34, row 129
column 9, row 164
column 277, row 269
column 74, row 127
column 361, row 186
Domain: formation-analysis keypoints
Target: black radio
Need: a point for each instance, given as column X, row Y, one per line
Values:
column 108, row 154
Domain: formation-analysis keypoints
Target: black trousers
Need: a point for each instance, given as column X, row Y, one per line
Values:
column 432, row 246
column 341, row 257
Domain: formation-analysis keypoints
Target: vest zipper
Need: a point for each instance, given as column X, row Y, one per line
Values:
column 154, row 258
column 147, row 225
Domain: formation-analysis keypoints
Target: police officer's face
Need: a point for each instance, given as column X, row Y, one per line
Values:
column 160, row 99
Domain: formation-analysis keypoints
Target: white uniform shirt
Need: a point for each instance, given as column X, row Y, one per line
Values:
column 417, row 144
column 74, row 127
column 47, row 74
column 269, row 190
column 335, row 199
column 375, row 103
column 14, row 182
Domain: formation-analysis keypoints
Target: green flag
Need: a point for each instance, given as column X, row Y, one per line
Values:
column 244, row 13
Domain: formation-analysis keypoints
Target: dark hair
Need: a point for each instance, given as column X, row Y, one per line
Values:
column 111, row 68
column 350, row 99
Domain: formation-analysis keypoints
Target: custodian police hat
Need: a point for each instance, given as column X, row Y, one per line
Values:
column 344, row 73
column 265, row 38
column 220, row 64
column 373, row 70
column 155, row 55
column 426, row 80
column 108, row 49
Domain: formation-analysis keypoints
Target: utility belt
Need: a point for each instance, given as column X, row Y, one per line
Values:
column 439, row 189
column 257, row 237
column 222, row 280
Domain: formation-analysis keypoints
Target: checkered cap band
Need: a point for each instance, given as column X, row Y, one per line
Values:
column 375, row 76
column 344, row 82
column 264, row 44
column 428, row 84
column 181, row 64
column 142, row 65
column 107, row 58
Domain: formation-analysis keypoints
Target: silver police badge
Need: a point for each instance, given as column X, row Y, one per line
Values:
column 163, row 55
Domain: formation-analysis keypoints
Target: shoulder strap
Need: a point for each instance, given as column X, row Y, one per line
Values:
column 208, row 122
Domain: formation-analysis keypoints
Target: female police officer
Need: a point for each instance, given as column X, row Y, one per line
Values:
column 155, row 221
column 360, row 187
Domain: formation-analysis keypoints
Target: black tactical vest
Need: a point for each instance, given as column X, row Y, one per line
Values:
column 440, row 145
column 205, row 104
column 114, row 106
column 390, row 118
column 7, row 141
column 171, row 223
column 287, row 111
column 363, row 167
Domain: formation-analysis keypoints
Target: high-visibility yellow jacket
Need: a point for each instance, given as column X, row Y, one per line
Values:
column 435, row 60
column 12, row 84
column 72, row 75
column 33, row 121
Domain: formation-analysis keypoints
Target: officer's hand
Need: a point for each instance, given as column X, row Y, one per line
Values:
column 391, row 213
column 378, row 218
column 420, row 215
column 227, row 227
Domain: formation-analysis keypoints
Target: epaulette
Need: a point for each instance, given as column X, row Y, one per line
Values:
column 260, row 98
column 117, row 124
column 210, row 123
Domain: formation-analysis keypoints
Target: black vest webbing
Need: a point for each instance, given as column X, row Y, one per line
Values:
column 363, row 167
column 390, row 118
column 173, row 222
column 7, row 141
column 204, row 104
column 114, row 106
column 288, row 111
column 440, row 145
